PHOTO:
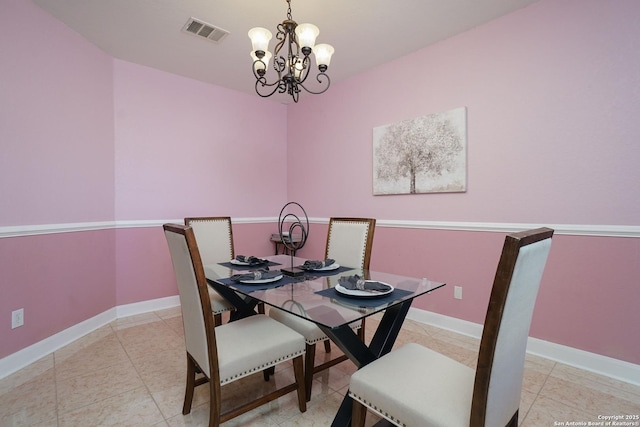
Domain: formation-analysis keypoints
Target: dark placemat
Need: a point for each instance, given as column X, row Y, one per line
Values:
column 247, row 267
column 364, row 302
column 314, row 273
column 247, row 288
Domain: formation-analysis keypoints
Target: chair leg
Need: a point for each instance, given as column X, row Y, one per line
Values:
column 358, row 414
column 191, row 384
column 327, row 346
column 361, row 330
column 215, row 405
column 298, row 370
column 309, row 359
column 266, row 373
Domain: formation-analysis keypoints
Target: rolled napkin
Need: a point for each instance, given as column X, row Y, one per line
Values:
column 261, row 274
column 357, row 283
column 251, row 260
column 314, row 265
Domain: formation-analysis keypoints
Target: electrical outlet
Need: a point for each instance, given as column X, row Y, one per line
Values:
column 457, row 292
column 17, row 318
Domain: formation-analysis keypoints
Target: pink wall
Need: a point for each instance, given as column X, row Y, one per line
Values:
column 186, row 148
column 56, row 122
column 56, row 166
column 552, row 101
column 59, row 279
column 551, row 96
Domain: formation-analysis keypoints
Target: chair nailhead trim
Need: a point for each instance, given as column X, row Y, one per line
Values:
column 261, row 367
column 378, row 410
column 325, row 338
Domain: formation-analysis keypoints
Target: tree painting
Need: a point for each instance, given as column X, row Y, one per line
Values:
column 422, row 155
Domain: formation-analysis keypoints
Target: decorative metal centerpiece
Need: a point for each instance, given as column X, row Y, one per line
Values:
column 296, row 228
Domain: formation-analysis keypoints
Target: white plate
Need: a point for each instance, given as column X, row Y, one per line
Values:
column 363, row 294
column 236, row 262
column 259, row 281
column 333, row 266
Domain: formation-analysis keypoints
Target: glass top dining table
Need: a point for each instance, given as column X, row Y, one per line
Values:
column 313, row 296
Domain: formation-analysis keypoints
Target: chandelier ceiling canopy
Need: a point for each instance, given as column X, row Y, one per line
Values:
column 291, row 58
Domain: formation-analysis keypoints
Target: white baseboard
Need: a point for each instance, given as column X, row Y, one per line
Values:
column 28, row 355
column 603, row 365
column 147, row 306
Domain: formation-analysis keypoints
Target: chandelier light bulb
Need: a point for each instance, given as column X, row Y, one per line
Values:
column 323, row 54
column 260, row 38
column 262, row 64
column 306, row 34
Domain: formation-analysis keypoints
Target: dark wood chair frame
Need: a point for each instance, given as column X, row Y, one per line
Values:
column 502, row 281
column 215, row 415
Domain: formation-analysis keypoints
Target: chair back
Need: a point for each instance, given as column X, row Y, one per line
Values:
column 349, row 241
column 499, row 373
column 197, row 318
column 214, row 237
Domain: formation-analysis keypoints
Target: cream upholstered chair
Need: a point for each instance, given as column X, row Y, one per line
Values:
column 415, row 386
column 349, row 243
column 231, row 351
column 215, row 243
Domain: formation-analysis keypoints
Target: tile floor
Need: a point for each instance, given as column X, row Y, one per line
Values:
column 131, row 373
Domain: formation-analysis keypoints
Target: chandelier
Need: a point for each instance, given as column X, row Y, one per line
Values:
column 294, row 65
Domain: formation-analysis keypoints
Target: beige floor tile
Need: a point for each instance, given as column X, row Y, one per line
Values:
column 99, row 354
column 82, row 390
column 170, row 400
column 526, row 402
column 30, row 401
column 26, row 374
column 319, row 412
column 547, row 412
column 175, row 323
column 535, row 375
column 162, row 369
column 133, row 372
column 132, row 408
column 80, row 344
column 581, row 376
column 590, row 396
column 141, row 340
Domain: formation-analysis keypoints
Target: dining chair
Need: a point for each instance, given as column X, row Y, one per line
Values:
column 214, row 236
column 228, row 352
column 349, row 243
column 416, row 386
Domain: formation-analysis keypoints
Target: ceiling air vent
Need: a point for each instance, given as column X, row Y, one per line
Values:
column 204, row 30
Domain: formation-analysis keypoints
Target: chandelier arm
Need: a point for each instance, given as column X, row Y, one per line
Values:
column 262, row 83
column 318, row 78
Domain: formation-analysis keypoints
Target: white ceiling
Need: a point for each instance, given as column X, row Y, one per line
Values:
column 365, row 33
